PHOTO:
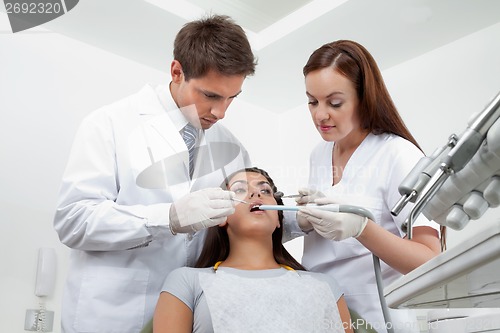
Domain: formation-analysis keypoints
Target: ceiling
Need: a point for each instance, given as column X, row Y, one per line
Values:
column 254, row 15
column 282, row 32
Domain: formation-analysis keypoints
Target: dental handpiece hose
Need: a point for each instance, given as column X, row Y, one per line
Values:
column 330, row 207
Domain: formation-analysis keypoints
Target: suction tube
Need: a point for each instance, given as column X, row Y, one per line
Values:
column 330, row 207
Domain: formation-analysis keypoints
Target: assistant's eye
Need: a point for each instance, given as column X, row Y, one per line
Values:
column 312, row 102
column 336, row 104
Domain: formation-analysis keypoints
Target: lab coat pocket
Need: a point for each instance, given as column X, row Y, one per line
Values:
column 109, row 294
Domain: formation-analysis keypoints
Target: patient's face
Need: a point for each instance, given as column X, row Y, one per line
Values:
column 255, row 189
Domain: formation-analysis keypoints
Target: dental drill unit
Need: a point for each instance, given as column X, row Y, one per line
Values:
column 460, row 180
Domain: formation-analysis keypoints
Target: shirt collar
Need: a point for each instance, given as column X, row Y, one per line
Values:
column 168, row 103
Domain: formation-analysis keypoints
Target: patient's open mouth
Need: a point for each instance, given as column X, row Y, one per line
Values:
column 255, row 207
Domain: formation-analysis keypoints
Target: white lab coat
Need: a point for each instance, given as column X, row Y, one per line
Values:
column 122, row 249
column 370, row 180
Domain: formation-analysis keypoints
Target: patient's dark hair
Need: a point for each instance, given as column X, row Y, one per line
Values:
column 216, row 246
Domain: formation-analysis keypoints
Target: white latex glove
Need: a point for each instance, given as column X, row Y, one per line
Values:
column 304, row 224
column 201, row 209
column 333, row 225
column 308, row 196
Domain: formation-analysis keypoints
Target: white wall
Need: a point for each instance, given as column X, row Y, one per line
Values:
column 49, row 82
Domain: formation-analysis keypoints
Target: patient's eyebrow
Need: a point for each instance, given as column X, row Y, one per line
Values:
column 246, row 183
column 238, row 181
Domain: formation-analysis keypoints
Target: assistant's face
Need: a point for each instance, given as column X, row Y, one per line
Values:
column 333, row 103
column 204, row 100
column 254, row 188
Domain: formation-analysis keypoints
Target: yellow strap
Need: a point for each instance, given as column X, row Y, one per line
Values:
column 217, row 264
column 287, row 267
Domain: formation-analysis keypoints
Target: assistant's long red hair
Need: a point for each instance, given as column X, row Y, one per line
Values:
column 377, row 111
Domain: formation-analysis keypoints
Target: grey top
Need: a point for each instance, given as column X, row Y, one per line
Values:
column 184, row 284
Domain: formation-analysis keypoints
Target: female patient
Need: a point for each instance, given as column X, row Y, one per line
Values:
column 246, row 281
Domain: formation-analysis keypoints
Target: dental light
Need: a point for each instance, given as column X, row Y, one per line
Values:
column 460, row 180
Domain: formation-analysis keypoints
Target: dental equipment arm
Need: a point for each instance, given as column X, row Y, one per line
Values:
column 464, row 164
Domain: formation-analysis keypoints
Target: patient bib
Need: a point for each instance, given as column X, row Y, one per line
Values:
column 287, row 302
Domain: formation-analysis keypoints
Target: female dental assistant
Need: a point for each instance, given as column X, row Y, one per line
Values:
column 365, row 154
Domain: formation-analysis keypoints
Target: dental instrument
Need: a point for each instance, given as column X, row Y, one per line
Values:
column 293, row 196
column 241, row 201
column 280, row 194
column 441, row 185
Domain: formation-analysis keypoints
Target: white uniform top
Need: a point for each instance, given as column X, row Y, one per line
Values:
column 116, row 222
column 370, row 180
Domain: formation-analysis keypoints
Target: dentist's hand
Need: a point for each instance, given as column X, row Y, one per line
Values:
column 201, row 209
column 333, row 225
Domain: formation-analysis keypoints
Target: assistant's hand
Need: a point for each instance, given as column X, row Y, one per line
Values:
column 201, row 209
column 333, row 225
column 308, row 196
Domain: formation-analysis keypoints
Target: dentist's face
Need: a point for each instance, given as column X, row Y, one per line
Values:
column 333, row 103
column 255, row 189
column 204, row 100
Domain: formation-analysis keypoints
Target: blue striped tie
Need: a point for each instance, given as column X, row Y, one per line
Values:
column 189, row 135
